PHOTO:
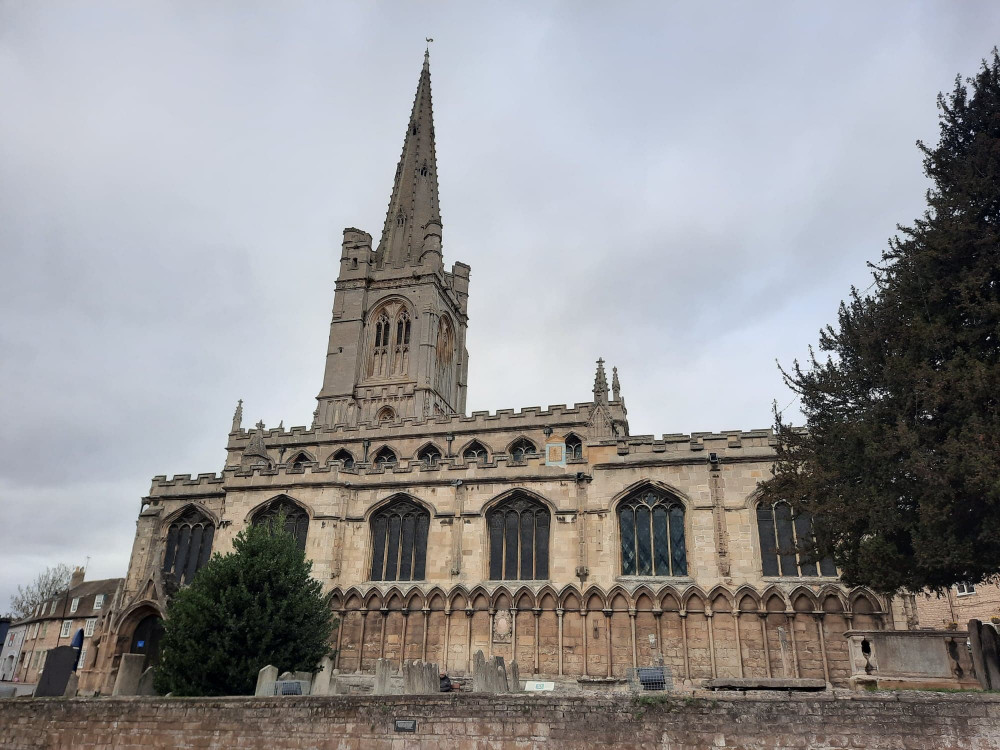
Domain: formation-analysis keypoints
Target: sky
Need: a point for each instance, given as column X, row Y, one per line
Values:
column 687, row 190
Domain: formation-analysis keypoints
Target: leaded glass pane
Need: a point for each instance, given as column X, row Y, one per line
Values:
column 661, row 544
column 527, row 545
column 420, row 546
column 206, row 546
column 378, row 547
column 542, row 545
column 168, row 558
column 786, row 542
column 194, row 549
column 678, row 552
column 510, row 539
column 183, row 543
column 496, row 546
column 627, row 523
column 803, row 534
column 768, row 549
column 406, row 557
column 643, row 541
column 392, row 550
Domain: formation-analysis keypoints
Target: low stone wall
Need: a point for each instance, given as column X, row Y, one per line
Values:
column 906, row 720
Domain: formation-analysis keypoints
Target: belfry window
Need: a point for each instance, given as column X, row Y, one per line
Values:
column 189, row 546
column 574, row 447
column 385, row 457
column 521, row 449
column 296, row 519
column 652, row 535
column 345, row 458
column 429, row 455
column 399, row 541
column 380, row 347
column 389, row 329
column 385, row 414
column 475, row 452
column 782, row 532
column 519, row 539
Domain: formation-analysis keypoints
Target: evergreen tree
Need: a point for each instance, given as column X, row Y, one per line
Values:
column 899, row 461
column 244, row 610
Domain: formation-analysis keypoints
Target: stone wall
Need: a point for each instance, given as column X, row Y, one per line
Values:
column 908, row 721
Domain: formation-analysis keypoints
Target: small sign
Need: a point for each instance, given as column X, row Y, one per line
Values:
column 555, row 454
column 140, row 644
column 406, row 725
column 535, row 687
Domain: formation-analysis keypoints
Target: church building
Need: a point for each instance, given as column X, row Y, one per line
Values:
column 549, row 535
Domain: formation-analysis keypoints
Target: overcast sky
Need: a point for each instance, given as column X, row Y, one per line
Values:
column 686, row 189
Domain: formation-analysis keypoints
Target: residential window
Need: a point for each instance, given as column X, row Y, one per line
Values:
column 399, row 541
column 964, row 589
column 45, row 627
column 82, row 660
column 52, row 608
column 782, row 533
column 67, row 624
column 98, row 602
column 651, row 525
column 519, row 539
column 88, row 628
column 74, row 605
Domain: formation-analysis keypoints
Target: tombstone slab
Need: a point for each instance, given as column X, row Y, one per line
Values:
column 59, row 663
column 145, row 686
column 976, row 647
column 480, row 682
column 323, row 677
column 515, row 677
column 129, row 672
column 382, row 671
column 991, row 653
column 72, row 685
column 266, row 677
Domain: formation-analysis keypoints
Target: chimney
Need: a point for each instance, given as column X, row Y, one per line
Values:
column 77, row 578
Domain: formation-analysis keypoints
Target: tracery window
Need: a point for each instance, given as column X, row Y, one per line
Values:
column 389, row 329
column 429, row 455
column 189, row 545
column 385, row 457
column 385, row 414
column 345, row 458
column 300, row 461
column 475, row 452
column 444, row 352
column 574, row 447
column 652, row 535
column 296, row 519
column 782, row 532
column 380, row 347
column 401, row 350
column 519, row 539
column 521, row 449
column 399, row 541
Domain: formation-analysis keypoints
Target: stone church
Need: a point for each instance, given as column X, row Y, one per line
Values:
column 550, row 535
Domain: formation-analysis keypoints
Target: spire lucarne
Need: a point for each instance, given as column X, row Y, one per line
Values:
column 413, row 220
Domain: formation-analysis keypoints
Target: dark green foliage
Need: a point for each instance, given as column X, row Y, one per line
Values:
column 900, row 459
column 244, row 610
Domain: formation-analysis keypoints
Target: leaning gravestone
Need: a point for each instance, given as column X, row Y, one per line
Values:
column 129, row 672
column 976, row 647
column 145, row 686
column 515, row 677
column 266, row 678
column 432, row 678
column 72, row 685
column 59, row 663
column 383, row 669
column 480, row 681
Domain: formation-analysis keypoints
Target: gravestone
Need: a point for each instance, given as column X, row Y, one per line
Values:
column 383, row 669
column 266, row 678
column 976, row 647
column 991, row 654
column 129, row 672
column 72, row 685
column 7, row 691
column 432, row 678
column 145, row 686
column 323, row 678
column 499, row 676
column 515, row 677
column 480, row 682
column 59, row 663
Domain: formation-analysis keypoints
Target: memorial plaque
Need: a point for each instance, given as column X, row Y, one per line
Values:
column 406, row 725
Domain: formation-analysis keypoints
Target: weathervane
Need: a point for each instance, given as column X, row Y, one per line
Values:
column 428, row 40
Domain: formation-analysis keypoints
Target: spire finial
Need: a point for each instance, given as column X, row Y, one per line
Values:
column 427, row 53
column 600, row 383
column 238, row 417
column 616, row 388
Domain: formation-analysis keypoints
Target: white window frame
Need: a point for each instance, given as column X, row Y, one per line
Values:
column 67, row 626
column 74, row 605
column 45, row 627
column 52, row 608
column 965, row 589
column 83, row 655
column 88, row 628
column 98, row 602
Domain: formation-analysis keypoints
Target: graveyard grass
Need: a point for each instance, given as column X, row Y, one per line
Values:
column 255, row 606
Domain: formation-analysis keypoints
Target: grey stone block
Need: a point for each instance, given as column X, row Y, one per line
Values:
column 129, row 672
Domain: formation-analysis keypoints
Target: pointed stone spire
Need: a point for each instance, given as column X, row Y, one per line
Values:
column 600, row 384
column 616, row 388
column 414, row 214
column 238, row 417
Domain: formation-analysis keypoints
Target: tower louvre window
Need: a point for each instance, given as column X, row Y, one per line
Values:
column 399, row 541
column 475, row 452
column 782, row 533
column 385, row 457
column 521, row 449
column 519, row 539
column 189, row 546
column 429, row 455
column 574, row 447
column 345, row 458
column 651, row 525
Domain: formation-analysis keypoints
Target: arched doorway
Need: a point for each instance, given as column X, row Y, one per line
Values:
column 146, row 639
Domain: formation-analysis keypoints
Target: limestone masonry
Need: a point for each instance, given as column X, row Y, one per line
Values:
column 547, row 535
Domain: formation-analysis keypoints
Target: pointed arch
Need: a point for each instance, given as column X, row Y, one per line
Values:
column 619, row 599
column 863, row 600
column 803, row 600
column 300, row 459
column 296, row 516
column 594, row 593
column 429, row 455
column 518, row 528
column 475, row 452
column 832, row 596
column 394, row 599
column 459, row 596
column 436, row 599
column 669, row 599
column 499, row 593
column 399, row 527
column 547, row 598
column 522, row 594
column 414, row 599
column 385, row 457
column 569, row 598
column 444, row 358
column 574, row 446
column 388, row 336
column 373, row 597
column 720, row 590
column 651, row 531
column 745, row 595
column 694, row 594
column 521, row 449
column 344, row 456
column 480, row 598
column 189, row 533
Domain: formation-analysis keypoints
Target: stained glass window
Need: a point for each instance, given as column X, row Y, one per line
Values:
column 189, row 546
column 782, row 534
column 296, row 519
column 519, row 539
column 399, row 541
column 652, row 535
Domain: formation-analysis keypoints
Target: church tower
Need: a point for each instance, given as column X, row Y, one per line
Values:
column 397, row 338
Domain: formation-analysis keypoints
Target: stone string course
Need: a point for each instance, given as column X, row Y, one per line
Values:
column 907, row 721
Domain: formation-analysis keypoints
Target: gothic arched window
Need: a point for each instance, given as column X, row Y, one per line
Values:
column 475, row 452
column 385, row 457
column 574, row 447
column 781, row 533
column 296, row 519
column 385, row 414
column 189, row 545
column 429, row 455
column 521, row 449
column 401, row 344
column 651, row 524
column 399, row 541
column 300, row 461
column 519, row 539
column 444, row 353
column 345, row 458
column 380, row 347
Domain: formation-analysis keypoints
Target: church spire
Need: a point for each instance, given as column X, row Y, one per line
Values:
column 600, row 384
column 413, row 220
